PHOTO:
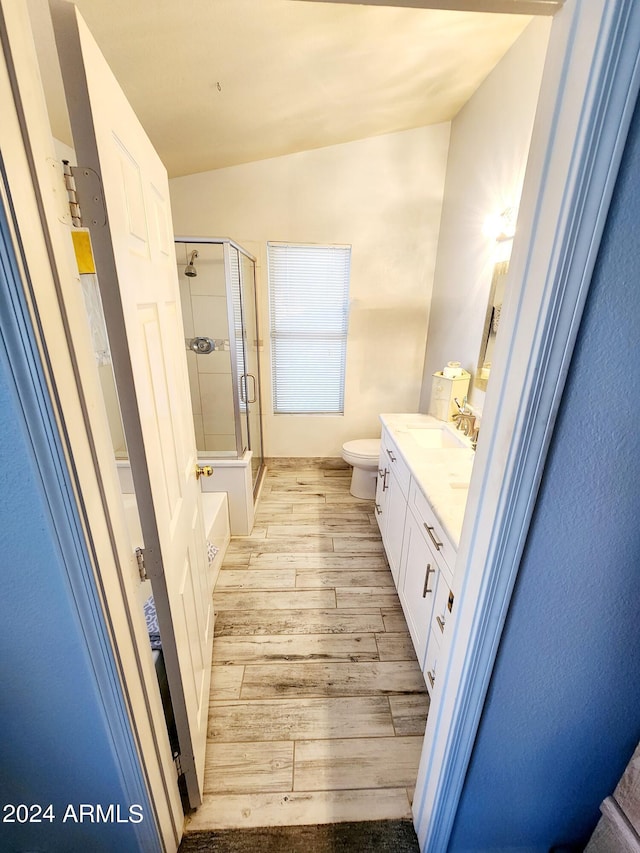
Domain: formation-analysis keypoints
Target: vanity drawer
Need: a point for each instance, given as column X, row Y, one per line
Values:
column 433, row 530
column 395, row 463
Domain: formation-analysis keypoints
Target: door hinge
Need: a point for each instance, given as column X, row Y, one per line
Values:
column 142, row 569
column 86, row 199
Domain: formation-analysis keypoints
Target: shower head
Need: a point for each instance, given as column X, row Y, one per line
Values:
column 190, row 270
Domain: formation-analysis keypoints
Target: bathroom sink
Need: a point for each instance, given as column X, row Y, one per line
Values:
column 432, row 438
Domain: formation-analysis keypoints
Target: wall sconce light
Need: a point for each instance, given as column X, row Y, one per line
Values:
column 501, row 226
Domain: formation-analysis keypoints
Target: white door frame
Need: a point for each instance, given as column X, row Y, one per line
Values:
column 43, row 243
column 588, row 94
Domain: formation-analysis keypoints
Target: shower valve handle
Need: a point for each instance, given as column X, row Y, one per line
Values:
column 202, row 346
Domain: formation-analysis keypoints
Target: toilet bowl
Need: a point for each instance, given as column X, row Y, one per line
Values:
column 362, row 454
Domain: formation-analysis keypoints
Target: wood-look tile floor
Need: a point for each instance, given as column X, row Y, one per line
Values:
column 318, row 706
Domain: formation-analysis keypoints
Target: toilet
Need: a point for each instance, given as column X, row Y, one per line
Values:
column 362, row 454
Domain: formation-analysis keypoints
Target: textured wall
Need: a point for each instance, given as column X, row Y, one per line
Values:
column 562, row 715
column 487, row 158
column 383, row 196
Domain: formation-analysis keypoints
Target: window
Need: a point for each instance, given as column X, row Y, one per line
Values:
column 309, row 303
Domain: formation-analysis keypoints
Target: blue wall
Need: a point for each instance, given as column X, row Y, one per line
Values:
column 56, row 744
column 562, row 715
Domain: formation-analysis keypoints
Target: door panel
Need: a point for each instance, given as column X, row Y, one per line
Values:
column 139, row 286
column 41, row 228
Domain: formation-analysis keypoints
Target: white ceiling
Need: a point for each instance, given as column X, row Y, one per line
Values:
column 221, row 82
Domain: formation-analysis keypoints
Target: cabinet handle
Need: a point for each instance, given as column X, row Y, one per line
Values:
column 425, row 588
column 440, row 622
column 431, row 536
column 380, row 472
column 385, row 485
column 432, row 678
column 378, row 510
column 391, row 456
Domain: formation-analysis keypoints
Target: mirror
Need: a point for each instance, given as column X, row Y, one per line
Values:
column 491, row 324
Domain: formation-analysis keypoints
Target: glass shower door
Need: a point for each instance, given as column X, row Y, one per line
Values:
column 219, row 308
column 237, row 341
column 245, row 351
column 205, row 313
column 252, row 344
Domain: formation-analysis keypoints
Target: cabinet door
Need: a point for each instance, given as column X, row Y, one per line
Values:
column 381, row 494
column 417, row 584
column 395, row 511
column 431, row 662
column 443, row 605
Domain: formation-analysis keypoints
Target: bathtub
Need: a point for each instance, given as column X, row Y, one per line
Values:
column 230, row 476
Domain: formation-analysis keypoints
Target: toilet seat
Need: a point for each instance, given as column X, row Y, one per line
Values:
column 365, row 449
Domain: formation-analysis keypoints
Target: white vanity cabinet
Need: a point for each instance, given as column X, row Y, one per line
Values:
column 392, row 492
column 420, row 551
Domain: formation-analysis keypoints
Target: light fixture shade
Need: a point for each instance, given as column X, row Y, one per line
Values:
column 501, row 226
column 507, row 225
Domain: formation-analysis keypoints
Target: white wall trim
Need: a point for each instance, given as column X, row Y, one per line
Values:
column 588, row 94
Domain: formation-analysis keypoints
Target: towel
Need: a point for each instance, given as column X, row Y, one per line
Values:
column 153, row 629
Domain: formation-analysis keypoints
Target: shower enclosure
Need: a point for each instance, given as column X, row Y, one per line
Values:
column 219, row 308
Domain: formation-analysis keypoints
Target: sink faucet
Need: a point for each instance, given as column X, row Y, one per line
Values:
column 474, row 437
column 466, row 422
column 465, row 418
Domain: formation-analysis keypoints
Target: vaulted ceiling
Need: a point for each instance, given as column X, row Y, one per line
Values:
column 221, row 82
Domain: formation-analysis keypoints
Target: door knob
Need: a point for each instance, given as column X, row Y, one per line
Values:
column 203, row 471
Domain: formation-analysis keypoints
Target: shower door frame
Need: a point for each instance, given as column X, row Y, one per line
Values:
column 226, row 244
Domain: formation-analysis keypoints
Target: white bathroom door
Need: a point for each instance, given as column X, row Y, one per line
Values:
column 136, row 270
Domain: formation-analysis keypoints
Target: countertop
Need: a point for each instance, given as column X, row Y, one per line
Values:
column 442, row 474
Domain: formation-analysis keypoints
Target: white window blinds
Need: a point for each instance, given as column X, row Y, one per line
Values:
column 309, row 303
